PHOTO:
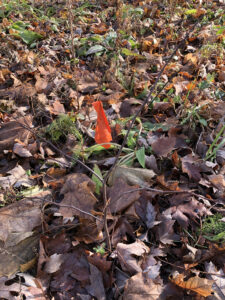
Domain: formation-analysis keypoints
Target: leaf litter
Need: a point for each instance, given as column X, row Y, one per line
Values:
column 70, row 225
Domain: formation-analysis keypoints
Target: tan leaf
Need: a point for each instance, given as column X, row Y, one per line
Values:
column 201, row 286
column 138, row 287
column 127, row 255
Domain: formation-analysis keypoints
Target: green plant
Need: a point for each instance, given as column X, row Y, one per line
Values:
column 216, row 144
column 61, row 127
column 193, row 116
column 100, row 249
column 213, row 228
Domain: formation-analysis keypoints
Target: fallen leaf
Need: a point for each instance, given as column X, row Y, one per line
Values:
column 138, row 287
column 127, row 255
column 121, row 196
column 21, row 151
column 201, row 286
column 6, row 291
column 164, row 145
column 57, row 108
column 218, row 181
column 14, row 130
column 132, row 176
column 96, row 288
column 219, row 279
column 102, row 130
column 15, row 174
column 78, row 193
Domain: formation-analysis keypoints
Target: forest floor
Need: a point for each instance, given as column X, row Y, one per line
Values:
column 112, row 149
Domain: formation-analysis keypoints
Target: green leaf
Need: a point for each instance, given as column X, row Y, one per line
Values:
column 140, row 154
column 29, row 36
column 191, row 12
column 203, row 122
column 95, row 49
column 128, row 52
column 98, row 183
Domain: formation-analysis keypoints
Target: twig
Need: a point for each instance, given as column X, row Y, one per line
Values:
column 74, row 207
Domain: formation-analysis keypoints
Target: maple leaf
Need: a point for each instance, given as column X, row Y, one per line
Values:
column 103, row 130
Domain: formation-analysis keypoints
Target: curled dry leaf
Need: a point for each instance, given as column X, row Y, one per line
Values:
column 126, row 255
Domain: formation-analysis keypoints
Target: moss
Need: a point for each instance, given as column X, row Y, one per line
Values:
column 213, row 228
column 61, row 127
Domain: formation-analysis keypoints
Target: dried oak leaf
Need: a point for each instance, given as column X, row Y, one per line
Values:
column 78, row 196
column 121, row 196
column 127, row 255
column 201, row 286
column 138, row 287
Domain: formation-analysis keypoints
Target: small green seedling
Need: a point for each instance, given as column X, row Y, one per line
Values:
column 216, row 145
column 100, row 249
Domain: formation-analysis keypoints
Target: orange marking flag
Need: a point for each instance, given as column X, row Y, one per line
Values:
column 103, row 130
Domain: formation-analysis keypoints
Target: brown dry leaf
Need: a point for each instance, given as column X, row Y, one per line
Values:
column 16, row 174
column 172, row 186
column 164, row 145
column 20, row 256
column 165, row 231
column 121, row 229
column 53, row 263
column 6, row 291
column 75, row 267
column 19, row 219
column 132, row 176
column 138, row 287
column 14, row 130
column 21, row 151
column 89, row 231
column 183, row 208
column 189, row 167
column 41, row 83
column 122, row 195
column 219, row 279
column 57, row 108
column 127, row 253
column 201, row 286
column 87, row 84
column 113, row 98
column 78, row 192
column 96, row 288
column 190, row 57
column 218, row 181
